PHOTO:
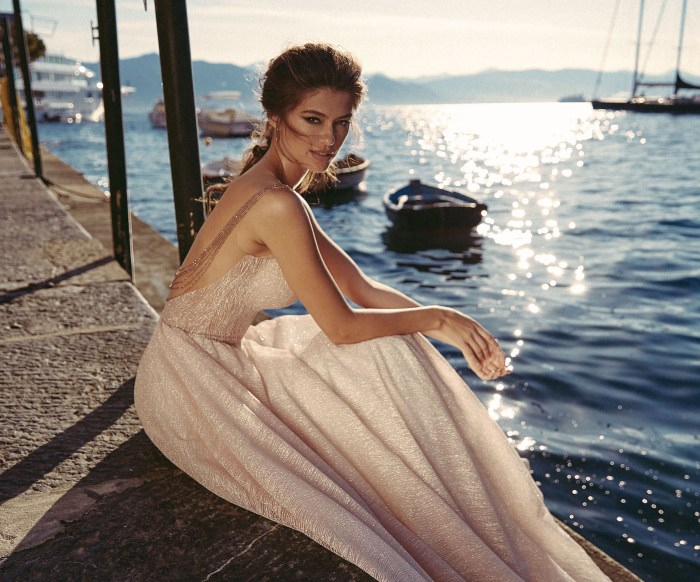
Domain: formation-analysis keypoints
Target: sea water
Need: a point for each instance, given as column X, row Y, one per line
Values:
column 586, row 267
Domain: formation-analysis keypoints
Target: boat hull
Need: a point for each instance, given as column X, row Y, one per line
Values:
column 217, row 128
column 649, row 106
column 157, row 115
column 419, row 207
column 350, row 172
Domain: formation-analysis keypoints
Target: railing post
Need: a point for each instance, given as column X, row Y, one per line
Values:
column 180, row 114
column 114, row 134
column 13, row 114
column 28, row 95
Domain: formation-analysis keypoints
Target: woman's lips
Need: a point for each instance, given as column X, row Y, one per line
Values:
column 325, row 155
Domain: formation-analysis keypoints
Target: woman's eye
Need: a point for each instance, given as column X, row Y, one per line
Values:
column 314, row 120
column 344, row 123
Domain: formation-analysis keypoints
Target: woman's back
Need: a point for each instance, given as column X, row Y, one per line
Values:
column 218, row 296
column 224, row 309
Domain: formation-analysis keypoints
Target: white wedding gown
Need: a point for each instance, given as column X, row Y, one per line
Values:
column 376, row 450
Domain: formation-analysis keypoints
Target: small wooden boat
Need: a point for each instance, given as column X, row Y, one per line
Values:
column 350, row 171
column 420, row 207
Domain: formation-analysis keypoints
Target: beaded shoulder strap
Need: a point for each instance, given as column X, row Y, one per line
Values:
column 188, row 275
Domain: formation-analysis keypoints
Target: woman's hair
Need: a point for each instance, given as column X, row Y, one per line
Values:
column 287, row 81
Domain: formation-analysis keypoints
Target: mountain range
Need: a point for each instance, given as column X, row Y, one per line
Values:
column 491, row 86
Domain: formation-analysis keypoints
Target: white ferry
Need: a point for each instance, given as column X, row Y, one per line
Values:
column 65, row 90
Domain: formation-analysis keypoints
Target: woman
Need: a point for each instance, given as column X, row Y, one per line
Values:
column 345, row 423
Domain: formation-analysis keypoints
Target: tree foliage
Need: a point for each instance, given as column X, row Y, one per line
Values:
column 35, row 46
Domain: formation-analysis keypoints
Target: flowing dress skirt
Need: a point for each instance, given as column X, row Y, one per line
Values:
column 377, row 450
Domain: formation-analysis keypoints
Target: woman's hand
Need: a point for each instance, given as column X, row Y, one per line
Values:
column 480, row 349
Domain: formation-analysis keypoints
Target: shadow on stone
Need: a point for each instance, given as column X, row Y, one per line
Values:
column 21, row 476
column 8, row 296
column 137, row 517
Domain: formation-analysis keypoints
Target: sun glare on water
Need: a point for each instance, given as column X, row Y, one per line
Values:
column 514, row 157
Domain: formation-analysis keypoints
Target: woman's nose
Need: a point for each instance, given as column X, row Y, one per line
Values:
column 329, row 136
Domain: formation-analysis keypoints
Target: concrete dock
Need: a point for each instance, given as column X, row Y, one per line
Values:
column 84, row 495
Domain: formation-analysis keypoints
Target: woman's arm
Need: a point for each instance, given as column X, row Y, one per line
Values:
column 356, row 285
column 352, row 281
column 283, row 224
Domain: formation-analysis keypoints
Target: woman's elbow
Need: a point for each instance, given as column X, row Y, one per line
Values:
column 343, row 330
column 339, row 335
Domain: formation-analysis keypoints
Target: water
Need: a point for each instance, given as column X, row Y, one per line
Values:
column 587, row 268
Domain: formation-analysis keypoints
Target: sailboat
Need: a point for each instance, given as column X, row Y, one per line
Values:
column 674, row 103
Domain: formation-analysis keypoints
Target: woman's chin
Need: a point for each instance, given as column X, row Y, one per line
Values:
column 318, row 167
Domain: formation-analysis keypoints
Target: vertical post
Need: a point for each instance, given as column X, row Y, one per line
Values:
column 183, row 141
column 114, row 134
column 10, row 73
column 28, row 95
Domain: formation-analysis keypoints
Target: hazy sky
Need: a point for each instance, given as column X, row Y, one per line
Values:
column 400, row 38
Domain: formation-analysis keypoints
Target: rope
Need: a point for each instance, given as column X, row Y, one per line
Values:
column 75, row 194
column 605, row 50
column 653, row 39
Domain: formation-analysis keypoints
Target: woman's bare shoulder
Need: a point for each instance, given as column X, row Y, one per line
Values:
column 279, row 205
column 243, row 189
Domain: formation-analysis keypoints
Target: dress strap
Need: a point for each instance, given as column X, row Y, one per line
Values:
column 188, row 275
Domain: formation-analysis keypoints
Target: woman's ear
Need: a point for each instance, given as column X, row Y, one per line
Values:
column 273, row 120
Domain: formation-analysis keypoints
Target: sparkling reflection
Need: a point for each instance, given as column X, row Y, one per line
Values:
column 516, row 158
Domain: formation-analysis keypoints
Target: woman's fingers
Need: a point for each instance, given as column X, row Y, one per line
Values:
column 481, row 350
column 489, row 365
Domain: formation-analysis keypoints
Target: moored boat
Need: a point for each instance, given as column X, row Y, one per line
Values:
column 222, row 115
column 350, row 173
column 419, row 207
column 676, row 102
column 157, row 115
column 65, row 90
column 671, row 104
column 219, row 171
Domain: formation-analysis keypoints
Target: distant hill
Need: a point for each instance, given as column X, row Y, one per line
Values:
column 143, row 73
column 493, row 86
column 383, row 90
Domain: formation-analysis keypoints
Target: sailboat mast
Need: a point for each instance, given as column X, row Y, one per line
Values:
column 680, row 47
column 639, row 44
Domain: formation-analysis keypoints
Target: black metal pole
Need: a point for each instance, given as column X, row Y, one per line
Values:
column 28, row 95
column 114, row 134
column 10, row 74
column 181, row 121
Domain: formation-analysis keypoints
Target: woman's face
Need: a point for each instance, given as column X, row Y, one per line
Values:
column 312, row 132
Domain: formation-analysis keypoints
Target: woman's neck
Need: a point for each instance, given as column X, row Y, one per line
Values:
column 287, row 171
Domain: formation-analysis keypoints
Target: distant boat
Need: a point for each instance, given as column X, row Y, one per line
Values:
column 222, row 115
column 674, row 103
column 350, row 173
column 65, row 90
column 578, row 98
column 419, row 207
column 219, row 171
column 157, row 115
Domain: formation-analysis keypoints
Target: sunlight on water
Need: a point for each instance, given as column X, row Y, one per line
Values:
column 514, row 156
